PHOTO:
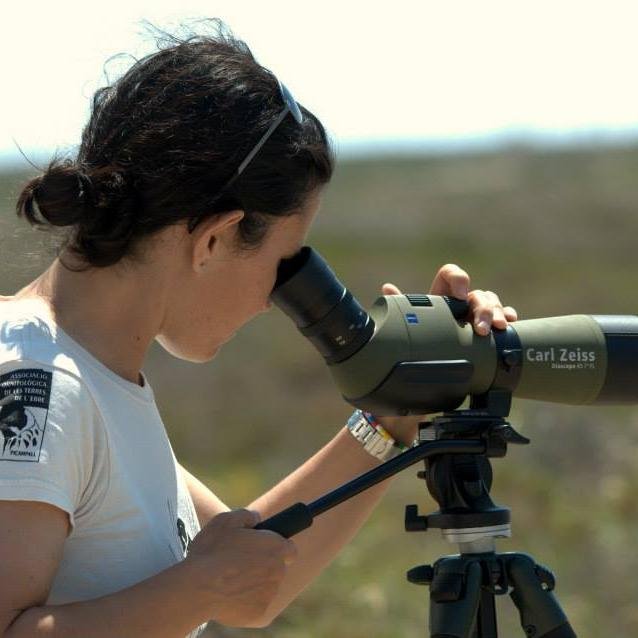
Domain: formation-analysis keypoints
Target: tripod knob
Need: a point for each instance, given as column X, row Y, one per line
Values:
column 414, row 522
column 548, row 582
column 421, row 575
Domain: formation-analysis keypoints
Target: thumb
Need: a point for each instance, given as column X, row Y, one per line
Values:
column 390, row 289
column 291, row 553
column 237, row 518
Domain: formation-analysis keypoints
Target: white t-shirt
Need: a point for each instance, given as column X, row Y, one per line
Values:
column 78, row 436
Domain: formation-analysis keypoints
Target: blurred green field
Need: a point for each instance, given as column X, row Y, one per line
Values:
column 552, row 233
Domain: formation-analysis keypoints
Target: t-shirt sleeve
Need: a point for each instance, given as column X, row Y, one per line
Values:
column 47, row 435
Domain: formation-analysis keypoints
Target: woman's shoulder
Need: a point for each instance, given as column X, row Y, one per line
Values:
column 28, row 333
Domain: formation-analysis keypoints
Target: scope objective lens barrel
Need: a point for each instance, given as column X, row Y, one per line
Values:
column 573, row 359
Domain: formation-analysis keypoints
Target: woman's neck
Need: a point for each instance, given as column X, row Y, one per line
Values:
column 114, row 314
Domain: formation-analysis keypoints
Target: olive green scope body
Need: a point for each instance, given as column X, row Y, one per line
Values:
column 418, row 353
column 434, row 359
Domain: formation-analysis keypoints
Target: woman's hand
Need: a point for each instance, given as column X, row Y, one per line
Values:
column 238, row 567
column 486, row 311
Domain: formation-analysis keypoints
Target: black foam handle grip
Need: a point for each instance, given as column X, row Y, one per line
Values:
column 289, row 522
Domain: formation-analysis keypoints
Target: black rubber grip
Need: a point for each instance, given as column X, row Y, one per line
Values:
column 289, row 522
column 459, row 308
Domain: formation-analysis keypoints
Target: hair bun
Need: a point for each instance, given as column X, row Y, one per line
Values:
column 61, row 196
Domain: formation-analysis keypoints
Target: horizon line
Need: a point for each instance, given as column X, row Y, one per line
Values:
column 352, row 149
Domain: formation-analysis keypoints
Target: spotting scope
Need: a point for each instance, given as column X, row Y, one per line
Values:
column 418, row 353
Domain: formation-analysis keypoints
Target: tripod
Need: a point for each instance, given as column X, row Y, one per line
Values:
column 463, row 587
column 456, row 448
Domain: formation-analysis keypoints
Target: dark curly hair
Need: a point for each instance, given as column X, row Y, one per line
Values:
column 163, row 139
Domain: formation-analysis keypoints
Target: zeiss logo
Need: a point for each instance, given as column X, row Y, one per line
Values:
column 563, row 358
column 411, row 318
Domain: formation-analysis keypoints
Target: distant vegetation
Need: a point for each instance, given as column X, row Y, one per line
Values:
column 552, row 233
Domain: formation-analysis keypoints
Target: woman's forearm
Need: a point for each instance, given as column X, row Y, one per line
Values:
column 166, row 605
column 340, row 460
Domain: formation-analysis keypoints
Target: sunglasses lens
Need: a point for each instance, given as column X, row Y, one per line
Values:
column 291, row 103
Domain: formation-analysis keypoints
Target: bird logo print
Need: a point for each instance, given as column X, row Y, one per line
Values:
column 18, row 425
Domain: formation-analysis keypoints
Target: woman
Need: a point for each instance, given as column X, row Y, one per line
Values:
column 197, row 174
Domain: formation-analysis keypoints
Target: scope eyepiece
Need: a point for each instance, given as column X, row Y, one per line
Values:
column 320, row 305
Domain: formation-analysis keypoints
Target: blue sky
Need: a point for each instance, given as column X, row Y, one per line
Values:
column 378, row 74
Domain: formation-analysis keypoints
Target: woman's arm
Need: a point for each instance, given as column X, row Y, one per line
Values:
column 340, row 460
column 206, row 503
column 32, row 536
column 164, row 606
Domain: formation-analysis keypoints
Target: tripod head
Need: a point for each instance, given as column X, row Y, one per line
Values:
column 461, row 483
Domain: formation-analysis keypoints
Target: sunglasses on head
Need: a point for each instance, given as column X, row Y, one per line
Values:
column 291, row 107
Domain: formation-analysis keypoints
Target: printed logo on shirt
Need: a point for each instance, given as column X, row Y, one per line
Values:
column 24, row 406
column 184, row 538
column 184, row 528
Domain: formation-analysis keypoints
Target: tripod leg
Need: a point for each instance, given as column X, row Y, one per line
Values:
column 455, row 594
column 541, row 615
column 486, row 619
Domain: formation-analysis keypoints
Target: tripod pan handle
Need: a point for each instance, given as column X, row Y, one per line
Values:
column 290, row 521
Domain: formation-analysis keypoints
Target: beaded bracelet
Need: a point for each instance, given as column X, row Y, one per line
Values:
column 373, row 436
column 371, row 419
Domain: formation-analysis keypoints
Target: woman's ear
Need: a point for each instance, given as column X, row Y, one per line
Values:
column 214, row 236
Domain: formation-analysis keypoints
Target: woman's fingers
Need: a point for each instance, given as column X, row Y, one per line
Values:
column 451, row 280
column 390, row 289
column 487, row 311
column 510, row 313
